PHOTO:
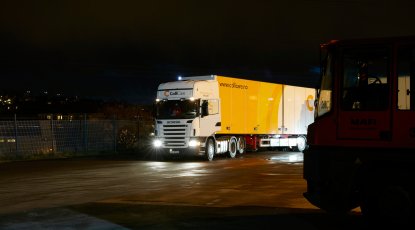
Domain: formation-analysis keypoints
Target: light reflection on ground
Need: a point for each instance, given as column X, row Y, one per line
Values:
column 289, row 157
column 183, row 169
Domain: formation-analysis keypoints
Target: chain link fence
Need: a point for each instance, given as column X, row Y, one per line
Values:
column 49, row 138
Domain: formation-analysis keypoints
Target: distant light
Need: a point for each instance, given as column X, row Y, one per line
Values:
column 192, row 99
column 157, row 99
column 179, row 78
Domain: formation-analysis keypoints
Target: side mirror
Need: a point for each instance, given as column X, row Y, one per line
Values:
column 205, row 109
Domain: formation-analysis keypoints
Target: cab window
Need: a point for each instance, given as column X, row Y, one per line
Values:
column 406, row 73
column 365, row 79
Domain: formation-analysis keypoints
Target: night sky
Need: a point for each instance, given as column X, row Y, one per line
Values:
column 123, row 49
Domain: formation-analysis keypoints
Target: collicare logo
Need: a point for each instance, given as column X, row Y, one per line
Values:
column 309, row 98
column 166, row 93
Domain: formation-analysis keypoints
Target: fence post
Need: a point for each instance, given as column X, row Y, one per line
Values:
column 85, row 134
column 115, row 133
column 15, row 134
column 52, row 135
column 138, row 131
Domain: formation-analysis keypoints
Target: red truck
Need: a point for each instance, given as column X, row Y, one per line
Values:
column 362, row 142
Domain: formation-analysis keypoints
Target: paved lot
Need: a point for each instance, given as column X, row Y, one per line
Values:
column 253, row 190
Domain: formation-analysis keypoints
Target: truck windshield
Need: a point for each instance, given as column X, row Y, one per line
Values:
column 177, row 109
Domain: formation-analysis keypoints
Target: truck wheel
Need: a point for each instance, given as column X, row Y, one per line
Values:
column 395, row 202
column 241, row 145
column 210, row 149
column 232, row 148
column 392, row 203
column 301, row 143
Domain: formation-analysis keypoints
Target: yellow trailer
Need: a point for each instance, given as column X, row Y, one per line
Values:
column 249, row 107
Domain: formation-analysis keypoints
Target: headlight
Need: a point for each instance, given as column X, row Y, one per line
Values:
column 194, row 143
column 157, row 143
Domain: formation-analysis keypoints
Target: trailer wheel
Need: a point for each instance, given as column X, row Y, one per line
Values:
column 232, row 148
column 241, row 145
column 210, row 149
column 301, row 144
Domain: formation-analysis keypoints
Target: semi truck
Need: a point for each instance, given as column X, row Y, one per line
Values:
column 362, row 142
column 211, row 115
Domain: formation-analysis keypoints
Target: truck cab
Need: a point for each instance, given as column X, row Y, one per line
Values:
column 362, row 144
column 187, row 112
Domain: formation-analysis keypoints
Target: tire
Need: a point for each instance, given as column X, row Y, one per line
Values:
column 386, row 197
column 241, row 145
column 232, row 147
column 395, row 202
column 301, row 144
column 210, row 149
column 389, row 203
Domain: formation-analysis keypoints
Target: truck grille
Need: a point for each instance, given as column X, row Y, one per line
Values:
column 174, row 135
